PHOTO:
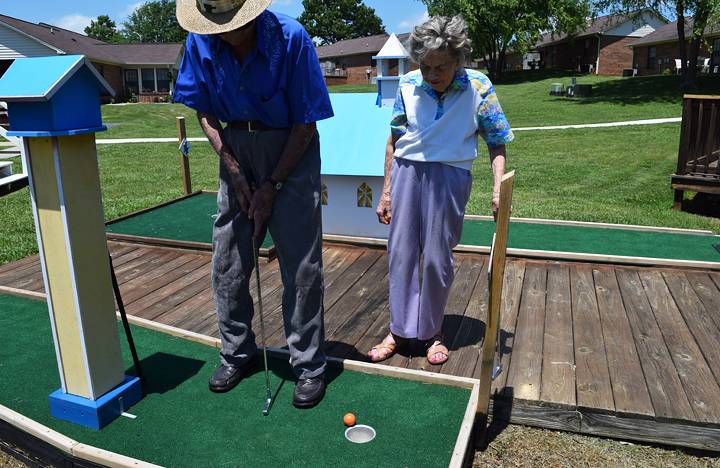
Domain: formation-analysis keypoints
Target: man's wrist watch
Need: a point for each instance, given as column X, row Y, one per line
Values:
column 276, row 184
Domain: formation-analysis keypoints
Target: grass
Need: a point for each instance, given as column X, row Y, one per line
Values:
column 524, row 97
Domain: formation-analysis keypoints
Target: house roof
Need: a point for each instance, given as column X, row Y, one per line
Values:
column 597, row 25
column 71, row 42
column 39, row 78
column 668, row 33
column 361, row 45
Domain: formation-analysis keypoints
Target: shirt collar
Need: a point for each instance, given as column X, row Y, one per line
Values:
column 459, row 83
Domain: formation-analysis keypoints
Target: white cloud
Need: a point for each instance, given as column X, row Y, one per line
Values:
column 130, row 9
column 74, row 22
column 408, row 24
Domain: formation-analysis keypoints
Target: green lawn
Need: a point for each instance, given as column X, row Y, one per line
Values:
column 616, row 175
column 524, row 97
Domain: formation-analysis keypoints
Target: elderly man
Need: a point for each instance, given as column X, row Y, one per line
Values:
column 258, row 72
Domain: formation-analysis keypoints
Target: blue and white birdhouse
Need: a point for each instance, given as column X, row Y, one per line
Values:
column 53, row 96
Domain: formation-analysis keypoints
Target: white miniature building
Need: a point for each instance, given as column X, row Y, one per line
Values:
column 388, row 83
column 352, row 147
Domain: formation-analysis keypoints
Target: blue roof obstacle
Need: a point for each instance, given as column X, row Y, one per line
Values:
column 53, row 96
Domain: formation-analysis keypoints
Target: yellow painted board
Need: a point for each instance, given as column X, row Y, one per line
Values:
column 57, row 265
column 86, row 229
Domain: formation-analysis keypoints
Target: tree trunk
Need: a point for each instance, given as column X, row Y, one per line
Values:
column 702, row 15
column 682, row 45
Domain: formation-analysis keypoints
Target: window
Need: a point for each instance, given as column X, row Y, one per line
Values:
column 364, row 196
column 163, row 80
column 131, row 82
column 716, row 54
column 652, row 58
column 148, row 80
column 324, row 195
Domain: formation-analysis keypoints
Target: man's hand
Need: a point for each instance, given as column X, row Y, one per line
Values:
column 384, row 209
column 261, row 205
column 239, row 182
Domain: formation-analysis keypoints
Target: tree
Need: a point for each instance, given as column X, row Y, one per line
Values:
column 693, row 16
column 103, row 28
column 497, row 26
column 154, row 21
column 330, row 21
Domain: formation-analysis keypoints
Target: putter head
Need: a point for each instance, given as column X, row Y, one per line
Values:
column 268, row 404
column 497, row 370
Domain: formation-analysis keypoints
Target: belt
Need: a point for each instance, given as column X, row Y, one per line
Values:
column 252, row 126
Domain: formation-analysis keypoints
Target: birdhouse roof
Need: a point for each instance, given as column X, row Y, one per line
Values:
column 353, row 142
column 393, row 48
column 39, row 78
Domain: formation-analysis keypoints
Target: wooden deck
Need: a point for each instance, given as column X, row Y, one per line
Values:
column 593, row 348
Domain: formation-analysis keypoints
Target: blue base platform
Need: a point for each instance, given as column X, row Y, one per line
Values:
column 96, row 414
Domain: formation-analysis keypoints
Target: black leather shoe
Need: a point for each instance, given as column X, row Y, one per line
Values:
column 225, row 378
column 309, row 392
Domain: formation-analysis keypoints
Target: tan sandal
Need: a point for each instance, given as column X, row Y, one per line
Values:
column 385, row 350
column 435, row 346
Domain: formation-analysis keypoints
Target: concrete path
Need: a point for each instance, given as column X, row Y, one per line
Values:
column 120, row 141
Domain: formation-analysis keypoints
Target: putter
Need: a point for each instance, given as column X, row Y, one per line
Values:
column 268, row 397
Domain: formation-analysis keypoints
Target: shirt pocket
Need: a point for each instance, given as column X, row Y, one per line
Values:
column 273, row 108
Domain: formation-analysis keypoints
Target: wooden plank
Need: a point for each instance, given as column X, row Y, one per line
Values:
column 373, row 335
column 694, row 297
column 22, row 293
column 155, row 279
column 25, row 282
column 709, row 294
column 16, row 275
column 630, row 391
column 666, row 391
column 132, row 256
column 469, row 330
column 143, row 265
column 185, row 163
column 198, row 269
column 512, row 294
column 192, row 284
column 10, row 266
column 591, row 372
column 526, row 365
column 558, row 368
column 700, row 385
column 188, row 309
column 466, row 277
column 651, row 431
column 459, row 457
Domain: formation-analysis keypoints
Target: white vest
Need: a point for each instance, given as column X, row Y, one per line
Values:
column 452, row 139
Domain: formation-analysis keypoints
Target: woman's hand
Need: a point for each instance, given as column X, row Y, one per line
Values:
column 495, row 204
column 384, row 208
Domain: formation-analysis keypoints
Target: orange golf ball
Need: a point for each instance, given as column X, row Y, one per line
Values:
column 349, row 419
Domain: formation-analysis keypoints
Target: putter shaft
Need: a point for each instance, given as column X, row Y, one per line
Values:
column 268, row 399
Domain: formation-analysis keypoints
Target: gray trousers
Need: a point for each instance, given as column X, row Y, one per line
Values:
column 296, row 228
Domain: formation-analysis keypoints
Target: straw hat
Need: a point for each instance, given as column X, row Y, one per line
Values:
column 217, row 16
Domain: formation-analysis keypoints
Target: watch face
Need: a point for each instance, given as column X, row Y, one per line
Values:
column 278, row 186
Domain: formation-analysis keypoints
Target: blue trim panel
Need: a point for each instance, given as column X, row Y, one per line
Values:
column 41, row 133
column 96, row 414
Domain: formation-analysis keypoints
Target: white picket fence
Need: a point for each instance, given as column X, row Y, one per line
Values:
column 12, row 148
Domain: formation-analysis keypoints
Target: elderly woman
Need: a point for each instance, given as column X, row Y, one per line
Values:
column 439, row 112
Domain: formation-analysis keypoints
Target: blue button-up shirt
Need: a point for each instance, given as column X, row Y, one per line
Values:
column 280, row 83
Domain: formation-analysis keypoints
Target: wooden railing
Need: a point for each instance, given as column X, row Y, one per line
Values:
column 698, row 167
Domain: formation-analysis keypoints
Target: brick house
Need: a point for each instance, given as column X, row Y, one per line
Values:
column 144, row 71
column 601, row 48
column 351, row 61
column 658, row 52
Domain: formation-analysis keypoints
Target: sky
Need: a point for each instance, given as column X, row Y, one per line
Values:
column 398, row 15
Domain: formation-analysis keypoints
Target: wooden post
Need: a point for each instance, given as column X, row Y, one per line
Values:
column 182, row 134
column 496, row 272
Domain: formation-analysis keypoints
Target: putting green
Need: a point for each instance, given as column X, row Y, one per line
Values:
column 180, row 423
column 597, row 240
column 190, row 219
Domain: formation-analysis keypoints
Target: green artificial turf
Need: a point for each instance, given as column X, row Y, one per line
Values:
column 190, row 219
column 180, row 423
column 183, row 220
column 595, row 240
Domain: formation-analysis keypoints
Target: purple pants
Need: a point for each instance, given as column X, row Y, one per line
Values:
column 428, row 206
